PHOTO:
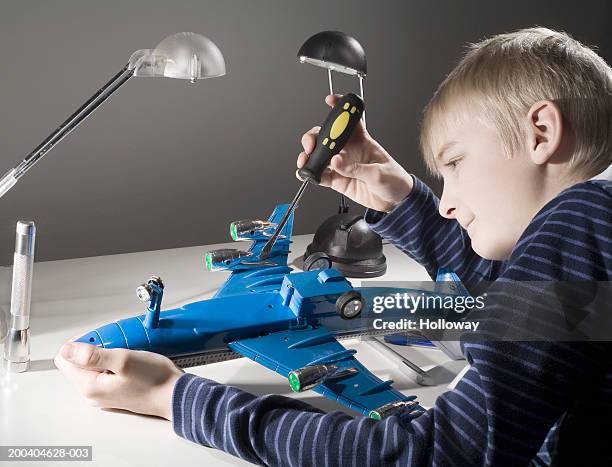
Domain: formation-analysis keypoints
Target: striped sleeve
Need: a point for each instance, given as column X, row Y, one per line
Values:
column 276, row 430
column 498, row 414
column 416, row 227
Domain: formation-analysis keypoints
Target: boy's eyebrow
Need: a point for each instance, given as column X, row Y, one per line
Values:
column 444, row 148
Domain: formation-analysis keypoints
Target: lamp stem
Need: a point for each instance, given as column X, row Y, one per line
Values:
column 343, row 206
column 362, row 98
column 11, row 177
column 329, row 78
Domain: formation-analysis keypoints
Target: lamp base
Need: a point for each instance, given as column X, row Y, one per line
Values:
column 346, row 243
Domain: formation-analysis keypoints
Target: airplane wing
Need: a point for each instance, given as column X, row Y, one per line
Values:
column 244, row 279
column 355, row 387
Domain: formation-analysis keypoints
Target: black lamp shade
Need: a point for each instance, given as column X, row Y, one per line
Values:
column 334, row 50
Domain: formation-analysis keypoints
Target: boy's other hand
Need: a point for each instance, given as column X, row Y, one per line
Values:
column 137, row 381
column 363, row 170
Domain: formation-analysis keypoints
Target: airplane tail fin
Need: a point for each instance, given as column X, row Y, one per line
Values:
column 281, row 246
column 258, row 232
column 448, row 281
column 276, row 216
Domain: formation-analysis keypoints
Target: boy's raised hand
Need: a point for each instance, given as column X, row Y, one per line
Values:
column 137, row 381
column 363, row 171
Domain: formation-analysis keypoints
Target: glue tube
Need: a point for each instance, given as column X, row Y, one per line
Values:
column 17, row 345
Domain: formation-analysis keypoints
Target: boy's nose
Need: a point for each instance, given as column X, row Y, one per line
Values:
column 446, row 207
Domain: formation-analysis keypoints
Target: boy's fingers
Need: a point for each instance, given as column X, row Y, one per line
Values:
column 352, row 169
column 301, row 160
column 335, row 181
column 309, row 139
column 331, row 99
column 87, row 381
column 90, row 357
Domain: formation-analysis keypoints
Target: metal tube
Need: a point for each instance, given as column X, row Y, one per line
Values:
column 421, row 376
column 343, row 205
column 17, row 345
column 362, row 98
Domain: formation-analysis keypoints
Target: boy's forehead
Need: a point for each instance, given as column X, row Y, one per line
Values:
column 453, row 126
column 444, row 148
column 450, row 124
column 447, row 131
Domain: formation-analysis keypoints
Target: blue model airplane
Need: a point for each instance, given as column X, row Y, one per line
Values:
column 287, row 322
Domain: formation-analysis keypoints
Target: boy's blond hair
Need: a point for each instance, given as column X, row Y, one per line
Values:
column 506, row 74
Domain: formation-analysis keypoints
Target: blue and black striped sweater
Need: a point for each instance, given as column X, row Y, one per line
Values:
column 544, row 402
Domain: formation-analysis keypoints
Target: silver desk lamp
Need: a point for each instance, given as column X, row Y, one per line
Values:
column 184, row 55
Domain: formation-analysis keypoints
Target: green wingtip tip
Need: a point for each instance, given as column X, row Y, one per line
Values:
column 233, row 232
column 294, row 382
column 374, row 415
column 208, row 261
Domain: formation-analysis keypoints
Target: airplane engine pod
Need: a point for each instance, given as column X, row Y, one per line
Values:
column 249, row 229
column 223, row 258
column 393, row 408
column 310, row 376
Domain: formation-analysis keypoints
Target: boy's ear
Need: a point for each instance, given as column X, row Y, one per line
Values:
column 545, row 131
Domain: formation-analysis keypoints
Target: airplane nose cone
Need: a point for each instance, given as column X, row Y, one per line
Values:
column 92, row 338
column 109, row 336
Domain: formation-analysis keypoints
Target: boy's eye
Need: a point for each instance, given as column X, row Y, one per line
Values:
column 453, row 163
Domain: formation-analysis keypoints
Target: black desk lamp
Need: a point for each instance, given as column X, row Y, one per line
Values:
column 343, row 241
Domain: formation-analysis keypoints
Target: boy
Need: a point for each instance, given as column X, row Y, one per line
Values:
column 516, row 131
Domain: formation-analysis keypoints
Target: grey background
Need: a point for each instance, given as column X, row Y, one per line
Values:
column 166, row 164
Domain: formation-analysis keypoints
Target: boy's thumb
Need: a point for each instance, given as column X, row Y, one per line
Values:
column 331, row 99
column 67, row 351
column 88, row 356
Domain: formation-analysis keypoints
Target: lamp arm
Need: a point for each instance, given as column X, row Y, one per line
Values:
column 11, row 177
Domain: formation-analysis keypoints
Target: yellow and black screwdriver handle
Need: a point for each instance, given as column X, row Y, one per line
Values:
column 335, row 132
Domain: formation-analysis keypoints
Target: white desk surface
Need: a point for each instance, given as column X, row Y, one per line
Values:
column 70, row 297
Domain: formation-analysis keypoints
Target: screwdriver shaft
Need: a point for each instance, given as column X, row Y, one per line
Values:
column 270, row 243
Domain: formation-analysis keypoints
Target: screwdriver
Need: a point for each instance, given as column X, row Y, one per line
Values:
column 334, row 134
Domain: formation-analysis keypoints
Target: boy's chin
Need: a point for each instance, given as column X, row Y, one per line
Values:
column 495, row 251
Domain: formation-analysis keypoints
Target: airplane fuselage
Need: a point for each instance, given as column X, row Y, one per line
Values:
column 209, row 325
